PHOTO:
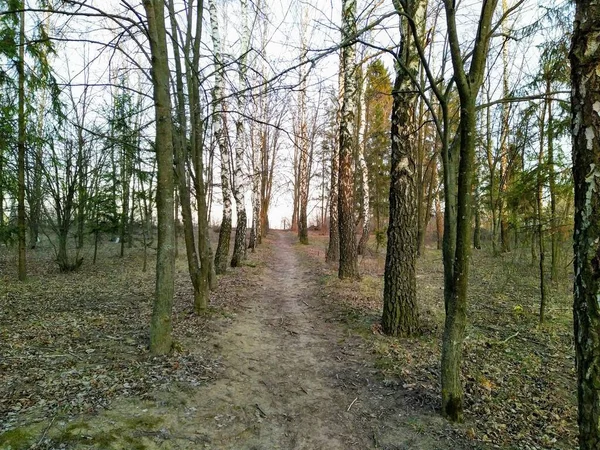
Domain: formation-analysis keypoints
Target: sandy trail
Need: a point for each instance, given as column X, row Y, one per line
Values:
column 295, row 380
column 278, row 387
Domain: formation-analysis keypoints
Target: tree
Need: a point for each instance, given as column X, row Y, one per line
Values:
column 21, row 224
column 348, row 266
column 220, row 133
column 585, row 101
column 303, row 178
column 198, row 276
column 333, row 247
column 457, row 244
column 400, row 312
column 239, row 247
column 161, row 324
column 378, row 107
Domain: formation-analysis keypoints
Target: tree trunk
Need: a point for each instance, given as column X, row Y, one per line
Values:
column 552, row 187
column 348, row 267
column 207, row 268
column 161, row 325
column 239, row 247
column 366, row 209
column 439, row 219
column 455, row 288
column 540, row 217
column 21, row 225
column 400, row 310
column 199, row 283
column 585, row 75
column 504, row 160
column 219, row 127
column 333, row 248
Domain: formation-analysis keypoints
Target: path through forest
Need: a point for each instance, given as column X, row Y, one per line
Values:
column 294, row 379
column 292, row 376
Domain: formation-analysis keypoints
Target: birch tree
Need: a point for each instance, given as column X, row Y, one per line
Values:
column 303, row 144
column 219, row 130
column 239, row 247
column 400, row 312
column 364, row 178
column 585, row 104
column 348, row 265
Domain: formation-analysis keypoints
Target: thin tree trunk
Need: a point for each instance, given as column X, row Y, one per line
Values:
column 199, row 283
column 552, row 185
column 468, row 84
column 539, row 216
column 21, row 224
column 161, row 324
column 239, row 247
column 219, row 127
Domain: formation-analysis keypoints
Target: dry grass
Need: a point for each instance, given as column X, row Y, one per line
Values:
column 519, row 378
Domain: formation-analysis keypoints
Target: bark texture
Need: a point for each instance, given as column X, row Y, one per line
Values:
column 222, row 253
column 161, row 324
column 348, row 267
column 239, row 246
column 333, row 248
column 400, row 312
column 585, row 104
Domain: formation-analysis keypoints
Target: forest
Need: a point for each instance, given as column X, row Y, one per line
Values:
column 243, row 224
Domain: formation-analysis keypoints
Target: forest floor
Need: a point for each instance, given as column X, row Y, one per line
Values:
column 287, row 357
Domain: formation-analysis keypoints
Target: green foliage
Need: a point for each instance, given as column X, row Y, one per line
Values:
column 378, row 105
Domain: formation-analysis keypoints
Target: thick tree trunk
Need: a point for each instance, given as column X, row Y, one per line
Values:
column 303, row 175
column 161, row 325
column 585, row 75
column 400, row 311
column 348, row 267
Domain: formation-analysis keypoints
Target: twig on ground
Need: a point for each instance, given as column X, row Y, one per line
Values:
column 264, row 414
column 46, row 431
column 510, row 337
column 353, row 401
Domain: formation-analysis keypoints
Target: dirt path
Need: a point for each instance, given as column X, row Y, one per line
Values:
column 292, row 377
